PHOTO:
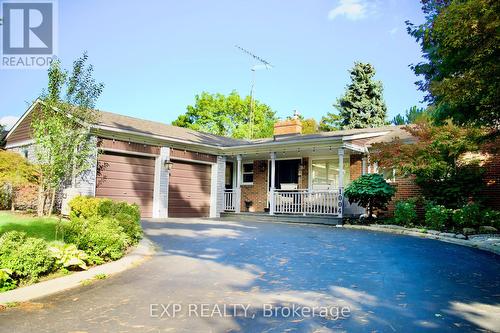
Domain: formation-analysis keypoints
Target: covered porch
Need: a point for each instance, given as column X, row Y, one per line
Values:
column 303, row 181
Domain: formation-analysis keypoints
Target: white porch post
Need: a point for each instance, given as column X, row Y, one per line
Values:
column 237, row 203
column 363, row 169
column 341, row 181
column 273, row 184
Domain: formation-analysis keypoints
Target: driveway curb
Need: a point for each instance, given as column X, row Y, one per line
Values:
column 142, row 252
column 402, row 231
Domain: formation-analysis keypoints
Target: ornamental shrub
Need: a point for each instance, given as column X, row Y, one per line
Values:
column 491, row 218
column 101, row 238
column 370, row 191
column 83, row 206
column 6, row 280
column 469, row 216
column 26, row 257
column 127, row 215
column 436, row 216
column 405, row 212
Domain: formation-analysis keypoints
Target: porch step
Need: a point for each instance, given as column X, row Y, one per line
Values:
column 263, row 217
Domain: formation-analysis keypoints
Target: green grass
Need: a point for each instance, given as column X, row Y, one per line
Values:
column 34, row 226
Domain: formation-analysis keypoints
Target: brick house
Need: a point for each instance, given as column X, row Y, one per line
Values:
column 176, row 172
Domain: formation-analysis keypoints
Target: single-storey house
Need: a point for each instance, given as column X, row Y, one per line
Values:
column 177, row 172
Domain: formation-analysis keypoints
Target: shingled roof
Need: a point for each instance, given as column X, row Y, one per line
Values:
column 142, row 126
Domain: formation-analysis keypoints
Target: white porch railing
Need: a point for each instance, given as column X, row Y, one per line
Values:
column 230, row 197
column 314, row 202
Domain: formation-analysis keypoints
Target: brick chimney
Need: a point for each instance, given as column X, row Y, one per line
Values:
column 288, row 127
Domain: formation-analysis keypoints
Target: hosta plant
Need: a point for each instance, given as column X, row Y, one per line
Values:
column 68, row 256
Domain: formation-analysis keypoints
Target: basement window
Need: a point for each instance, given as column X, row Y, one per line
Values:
column 247, row 173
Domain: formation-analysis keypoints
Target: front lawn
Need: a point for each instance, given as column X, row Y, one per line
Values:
column 39, row 227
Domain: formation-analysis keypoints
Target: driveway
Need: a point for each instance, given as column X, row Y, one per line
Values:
column 263, row 272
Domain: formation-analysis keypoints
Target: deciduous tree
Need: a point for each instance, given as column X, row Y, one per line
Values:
column 61, row 128
column 461, row 47
column 228, row 116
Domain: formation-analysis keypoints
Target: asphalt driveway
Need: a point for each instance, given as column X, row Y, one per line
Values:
column 219, row 276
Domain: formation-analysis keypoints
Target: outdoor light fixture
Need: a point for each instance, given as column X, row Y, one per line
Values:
column 168, row 165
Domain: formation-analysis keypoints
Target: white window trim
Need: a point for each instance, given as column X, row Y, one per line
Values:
column 243, row 172
column 320, row 158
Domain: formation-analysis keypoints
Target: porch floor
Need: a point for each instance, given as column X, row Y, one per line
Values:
column 265, row 217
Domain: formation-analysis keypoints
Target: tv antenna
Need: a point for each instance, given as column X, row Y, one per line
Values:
column 259, row 64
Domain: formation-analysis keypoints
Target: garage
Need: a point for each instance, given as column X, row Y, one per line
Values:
column 127, row 177
column 189, row 189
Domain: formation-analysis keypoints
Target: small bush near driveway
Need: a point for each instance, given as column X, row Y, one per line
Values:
column 405, row 212
column 27, row 257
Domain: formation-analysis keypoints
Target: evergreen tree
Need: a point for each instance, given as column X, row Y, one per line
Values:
column 362, row 105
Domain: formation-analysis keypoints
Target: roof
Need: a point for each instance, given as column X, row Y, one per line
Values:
column 122, row 122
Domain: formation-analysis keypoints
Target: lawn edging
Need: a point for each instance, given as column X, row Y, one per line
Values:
column 141, row 252
column 441, row 236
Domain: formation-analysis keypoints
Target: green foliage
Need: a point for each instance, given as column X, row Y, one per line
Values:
column 6, row 280
column 437, row 160
column 68, row 256
column 127, row 215
column 102, row 239
column 362, row 105
column 370, row 191
column 436, row 216
column 474, row 215
column 26, row 257
column 228, row 116
column 330, row 122
column 85, row 207
column 405, row 212
column 461, row 74
column 309, row 126
column 61, row 126
column 411, row 116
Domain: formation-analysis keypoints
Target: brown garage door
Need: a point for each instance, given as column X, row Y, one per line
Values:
column 189, row 190
column 127, row 178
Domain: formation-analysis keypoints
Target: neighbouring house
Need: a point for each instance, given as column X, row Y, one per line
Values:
column 176, row 172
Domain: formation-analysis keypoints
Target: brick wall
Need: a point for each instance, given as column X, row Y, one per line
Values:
column 356, row 168
column 491, row 194
column 405, row 189
column 257, row 193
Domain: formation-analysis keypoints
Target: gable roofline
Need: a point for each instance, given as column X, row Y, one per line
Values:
column 140, row 128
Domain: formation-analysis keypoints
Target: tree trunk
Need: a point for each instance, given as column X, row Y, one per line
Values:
column 41, row 201
column 52, row 200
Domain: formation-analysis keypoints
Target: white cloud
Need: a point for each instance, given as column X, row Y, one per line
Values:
column 8, row 121
column 393, row 31
column 352, row 9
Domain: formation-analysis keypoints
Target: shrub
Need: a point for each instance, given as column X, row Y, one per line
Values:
column 86, row 207
column 436, row 216
column 27, row 257
column 469, row 216
column 127, row 215
column 491, row 218
column 370, row 191
column 102, row 239
column 6, row 280
column 68, row 256
column 405, row 212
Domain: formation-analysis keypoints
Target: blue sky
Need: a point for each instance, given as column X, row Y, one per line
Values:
column 155, row 56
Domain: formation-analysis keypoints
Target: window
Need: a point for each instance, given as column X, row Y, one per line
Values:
column 247, row 173
column 325, row 173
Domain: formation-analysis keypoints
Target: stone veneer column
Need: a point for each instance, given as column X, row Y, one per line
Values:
column 160, row 194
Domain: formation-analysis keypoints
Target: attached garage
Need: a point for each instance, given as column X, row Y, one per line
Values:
column 189, row 189
column 127, row 177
